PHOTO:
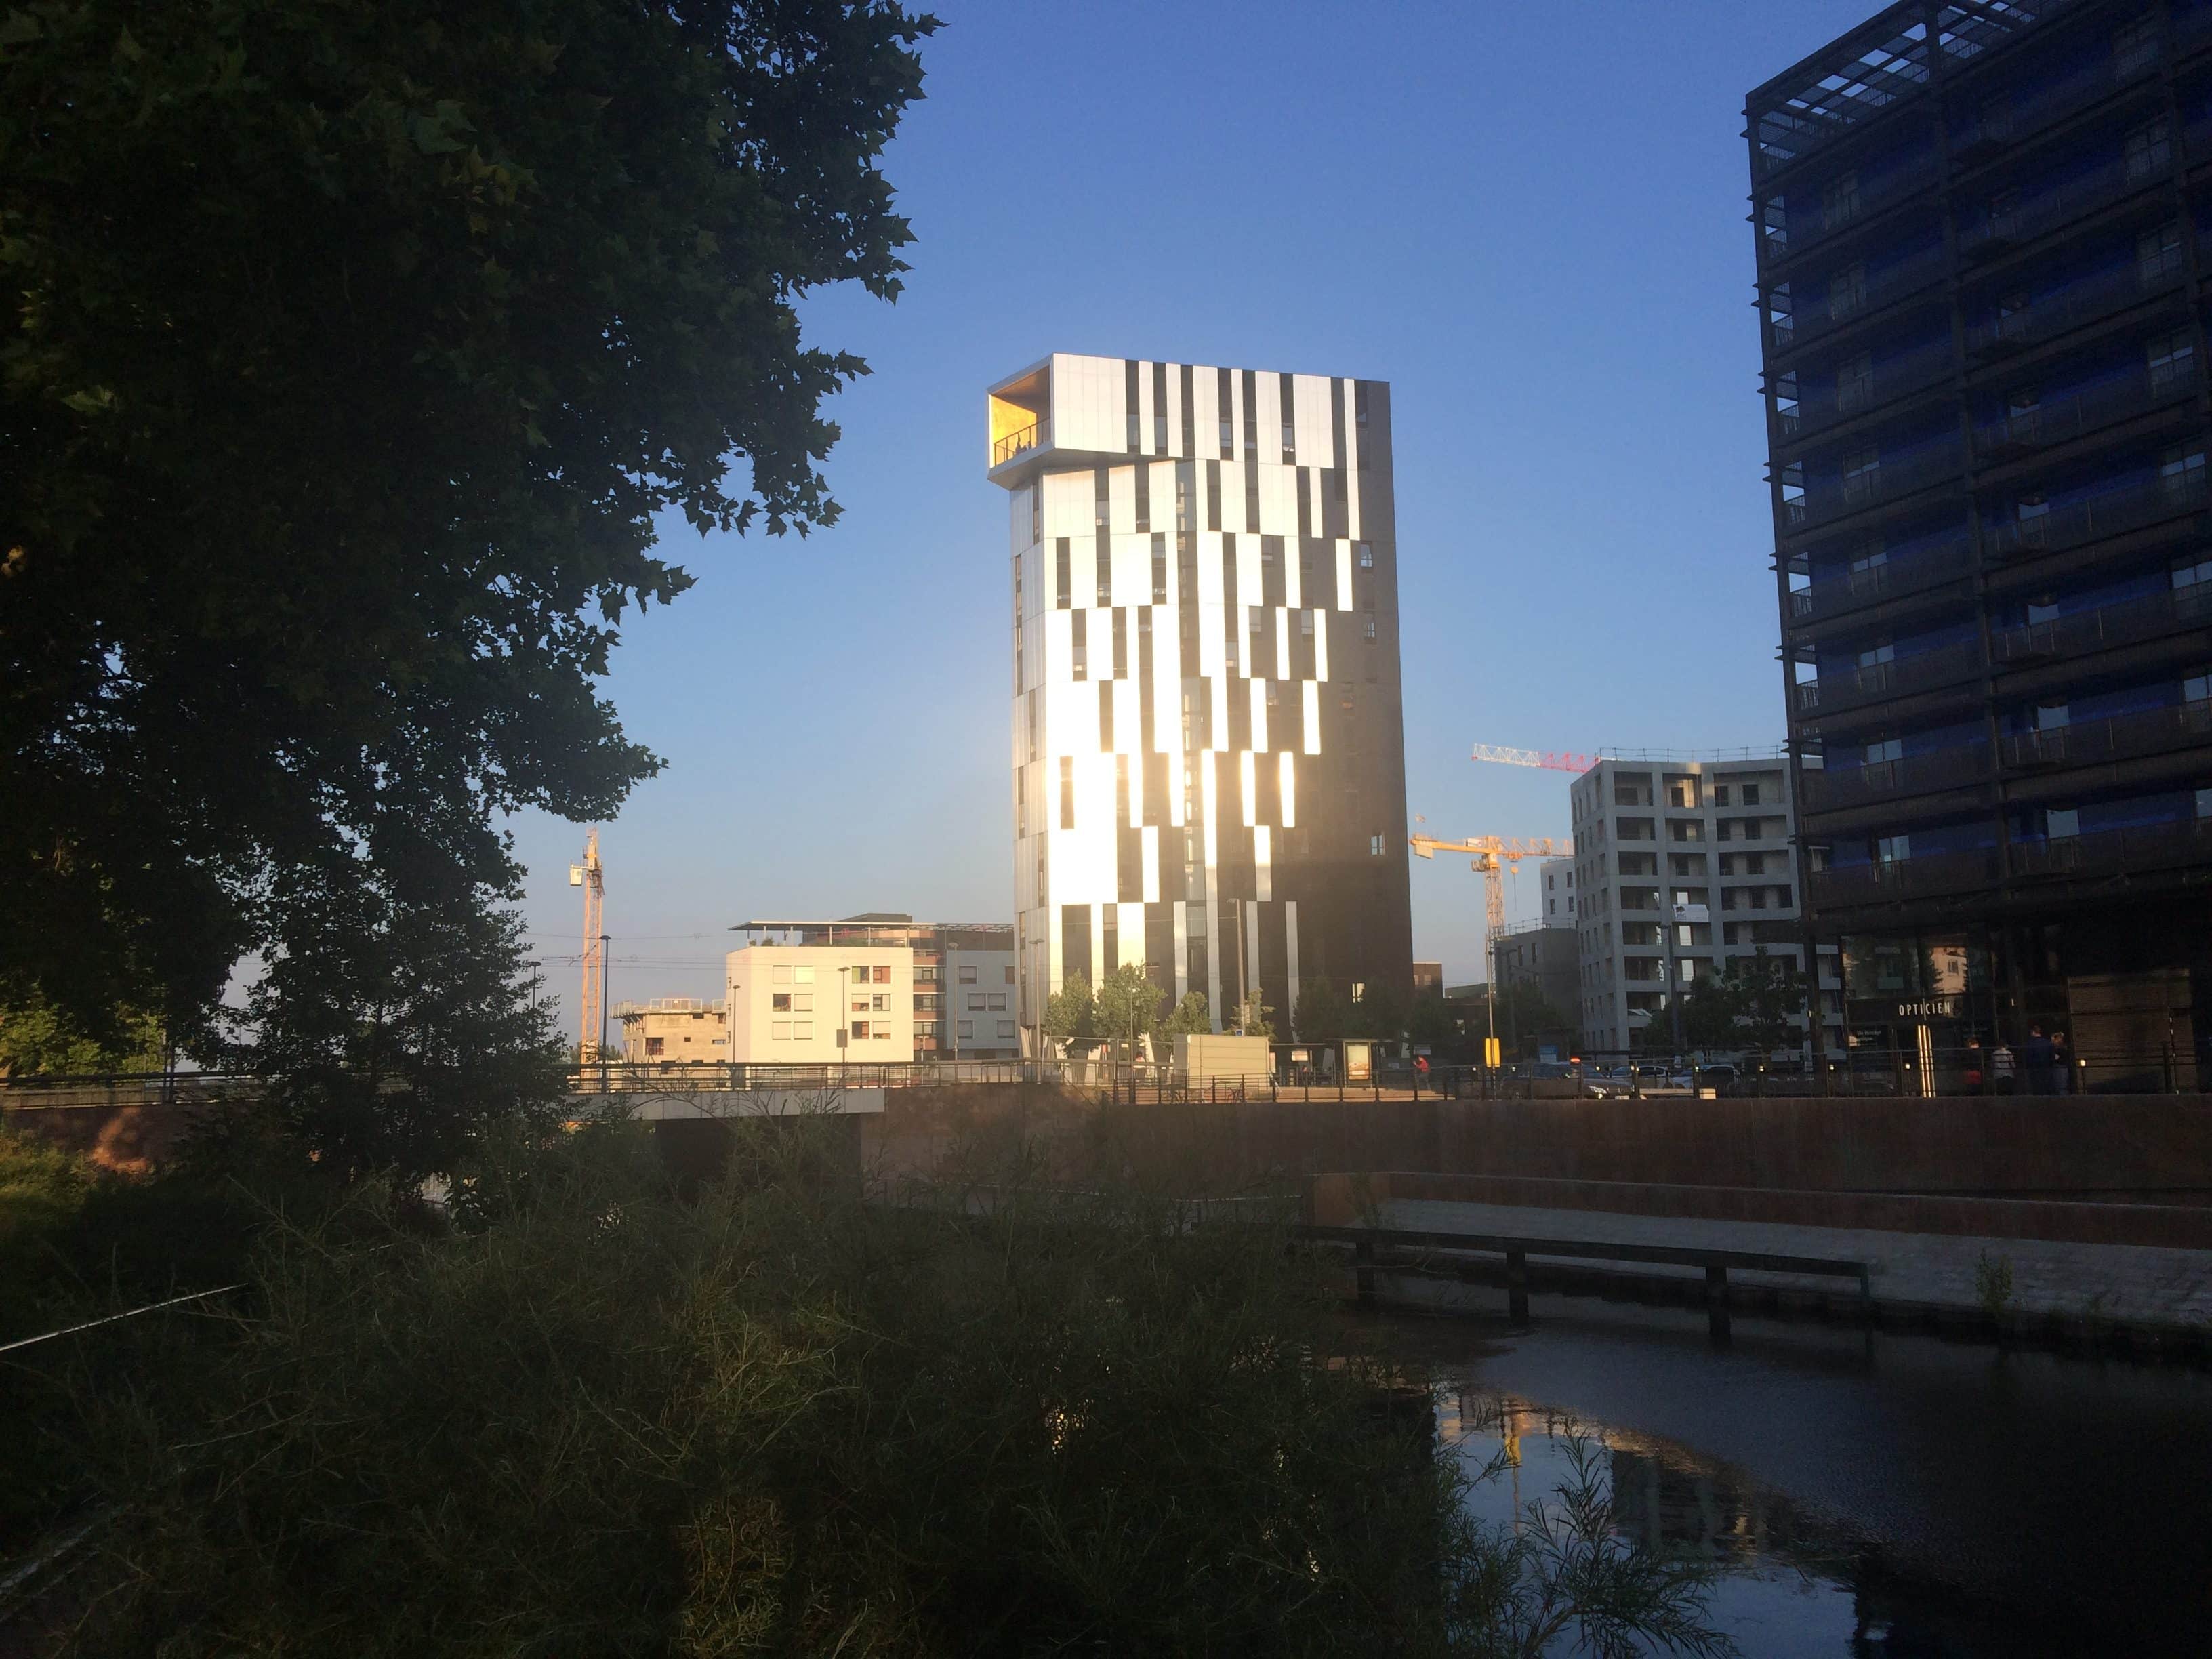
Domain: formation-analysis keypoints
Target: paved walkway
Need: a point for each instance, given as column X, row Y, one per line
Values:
column 2130, row 1283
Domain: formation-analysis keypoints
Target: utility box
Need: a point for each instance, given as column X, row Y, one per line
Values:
column 1202, row 1058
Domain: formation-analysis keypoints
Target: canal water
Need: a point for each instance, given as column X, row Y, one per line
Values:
column 1857, row 1494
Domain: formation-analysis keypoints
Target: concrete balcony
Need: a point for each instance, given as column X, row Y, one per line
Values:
column 2127, row 623
column 2117, row 737
column 2139, row 849
column 2112, row 513
column 2080, row 303
column 1924, row 876
column 1853, row 688
column 1834, row 788
column 1895, row 577
column 2024, row 432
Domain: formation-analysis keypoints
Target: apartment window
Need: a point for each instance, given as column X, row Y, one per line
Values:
column 1305, row 624
column 1160, row 569
column 1081, row 642
column 965, row 1028
column 1839, row 201
column 1751, row 794
column 782, row 975
column 2181, row 476
column 1874, row 655
column 2062, row 823
column 2192, row 586
column 1159, row 409
column 1010, row 975
column 1036, row 511
column 967, row 974
column 2172, row 361
column 1885, row 749
column 1374, row 846
column 804, row 975
column 1005, row 1030
column 879, row 1004
column 802, row 1030
column 2149, row 150
column 1362, row 555
column 2157, row 252
column 1062, row 564
column 1847, row 292
column 1892, row 849
column 1862, row 474
column 2135, row 48
column 1854, row 383
column 779, row 1030
column 1368, row 626
column 859, row 1029
column 779, row 1002
column 2197, row 687
column 1290, row 424
column 1068, row 792
column 998, row 1002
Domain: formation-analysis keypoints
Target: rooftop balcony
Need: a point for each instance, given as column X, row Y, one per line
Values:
column 2123, row 623
column 1927, row 876
column 2078, row 303
column 1037, row 435
column 2004, row 122
column 1834, row 788
column 1788, row 235
column 1853, row 688
column 2024, row 431
column 2117, row 737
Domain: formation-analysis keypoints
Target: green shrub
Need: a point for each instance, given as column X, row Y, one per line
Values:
column 589, row 1419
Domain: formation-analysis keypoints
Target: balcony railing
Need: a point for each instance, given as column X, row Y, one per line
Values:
column 1034, row 435
column 2024, row 431
column 2070, row 307
column 1816, row 225
column 2117, row 737
column 1818, row 314
column 1999, row 125
column 1916, row 878
column 2112, row 513
column 1833, row 498
column 2121, row 624
column 1849, row 688
column 1998, row 233
column 1890, row 579
column 2117, row 851
column 1827, row 789
column 1889, row 380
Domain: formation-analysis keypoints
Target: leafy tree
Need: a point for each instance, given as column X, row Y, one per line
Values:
column 1753, row 1004
column 1071, row 1012
column 1431, row 1023
column 1190, row 1016
column 1129, row 1003
column 36, row 1037
column 1380, row 1014
column 354, row 350
column 1321, row 1015
column 1252, row 1014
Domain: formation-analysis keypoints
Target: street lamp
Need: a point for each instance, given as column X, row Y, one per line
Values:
column 606, row 977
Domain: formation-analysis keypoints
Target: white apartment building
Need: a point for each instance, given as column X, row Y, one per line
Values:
column 1559, row 875
column 1682, row 865
column 818, row 1004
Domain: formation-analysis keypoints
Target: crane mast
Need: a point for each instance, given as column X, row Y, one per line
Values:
column 591, row 1018
column 1489, row 855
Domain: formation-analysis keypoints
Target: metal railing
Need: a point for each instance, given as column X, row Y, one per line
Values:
column 2116, row 851
column 1789, row 235
column 1817, row 315
column 2000, row 125
column 1886, row 381
column 2117, row 737
column 2082, row 300
column 1999, row 233
column 1837, row 497
column 1871, row 681
column 2111, row 513
column 1911, row 877
column 2120, row 624
column 1893, row 577
column 1829, row 788
column 1034, row 435
column 2022, row 431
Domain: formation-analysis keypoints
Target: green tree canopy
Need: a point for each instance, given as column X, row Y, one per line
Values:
column 1752, row 1005
column 35, row 1038
column 354, row 350
column 1190, row 1016
column 1072, row 1011
column 1128, row 1002
column 1323, row 1015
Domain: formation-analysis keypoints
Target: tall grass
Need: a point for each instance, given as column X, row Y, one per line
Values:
column 591, row 1418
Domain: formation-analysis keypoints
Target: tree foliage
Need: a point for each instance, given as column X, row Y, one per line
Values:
column 1753, row 1004
column 354, row 350
column 36, row 1037
column 1071, row 1011
column 1252, row 1017
column 1323, row 1015
column 1128, row 1002
column 1190, row 1016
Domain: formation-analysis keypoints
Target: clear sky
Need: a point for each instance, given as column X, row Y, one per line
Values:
column 1530, row 219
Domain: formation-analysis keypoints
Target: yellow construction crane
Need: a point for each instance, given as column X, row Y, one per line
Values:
column 591, row 1017
column 1489, row 857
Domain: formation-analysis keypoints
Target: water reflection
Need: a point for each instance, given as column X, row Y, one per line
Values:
column 1906, row 1497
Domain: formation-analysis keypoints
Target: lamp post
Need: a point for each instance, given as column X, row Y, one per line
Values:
column 606, row 977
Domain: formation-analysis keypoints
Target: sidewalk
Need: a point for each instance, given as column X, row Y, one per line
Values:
column 2130, row 1284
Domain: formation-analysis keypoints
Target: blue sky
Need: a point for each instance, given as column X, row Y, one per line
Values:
column 1530, row 220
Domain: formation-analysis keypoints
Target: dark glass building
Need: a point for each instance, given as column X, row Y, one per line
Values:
column 1982, row 299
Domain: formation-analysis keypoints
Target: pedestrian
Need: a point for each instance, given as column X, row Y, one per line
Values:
column 1420, row 1072
column 1973, row 1078
column 2062, row 1064
column 2001, row 1067
column 2035, row 1059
